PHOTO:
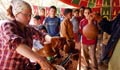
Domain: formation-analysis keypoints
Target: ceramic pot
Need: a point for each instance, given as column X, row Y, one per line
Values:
column 90, row 31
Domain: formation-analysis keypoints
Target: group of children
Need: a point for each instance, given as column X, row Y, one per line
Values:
column 71, row 27
column 17, row 38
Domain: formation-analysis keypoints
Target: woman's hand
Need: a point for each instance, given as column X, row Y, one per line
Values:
column 48, row 38
column 27, row 52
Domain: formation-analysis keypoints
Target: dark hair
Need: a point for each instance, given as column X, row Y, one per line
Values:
column 88, row 8
column 37, row 17
column 9, row 12
column 42, row 27
column 67, row 10
column 82, row 7
column 42, row 9
column 53, row 7
column 75, row 10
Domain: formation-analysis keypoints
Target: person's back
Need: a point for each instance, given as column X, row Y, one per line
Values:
column 111, row 53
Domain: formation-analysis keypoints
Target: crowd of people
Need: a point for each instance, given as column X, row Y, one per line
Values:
column 71, row 27
column 19, row 40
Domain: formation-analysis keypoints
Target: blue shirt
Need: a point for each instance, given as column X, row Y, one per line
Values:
column 75, row 24
column 52, row 25
column 37, row 45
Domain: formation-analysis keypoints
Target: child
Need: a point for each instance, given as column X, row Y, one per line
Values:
column 52, row 22
column 36, row 43
column 75, row 23
column 88, row 46
column 36, row 20
column 42, row 15
column 66, row 30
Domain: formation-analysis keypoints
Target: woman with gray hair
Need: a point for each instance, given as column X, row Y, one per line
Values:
column 16, row 40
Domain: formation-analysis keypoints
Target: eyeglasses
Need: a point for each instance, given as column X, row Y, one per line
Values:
column 27, row 15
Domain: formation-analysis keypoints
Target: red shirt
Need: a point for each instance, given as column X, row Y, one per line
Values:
column 80, row 18
column 11, row 35
column 84, row 22
column 42, row 19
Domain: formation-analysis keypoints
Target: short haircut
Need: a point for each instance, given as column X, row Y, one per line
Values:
column 42, row 27
column 53, row 7
column 82, row 7
column 37, row 17
column 67, row 10
column 42, row 9
column 75, row 10
column 88, row 8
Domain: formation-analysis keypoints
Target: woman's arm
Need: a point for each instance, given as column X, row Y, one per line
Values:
column 28, row 53
column 48, row 38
